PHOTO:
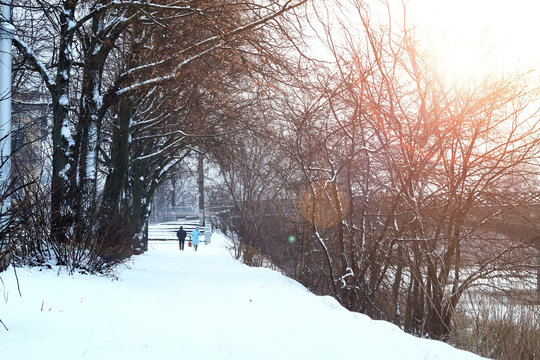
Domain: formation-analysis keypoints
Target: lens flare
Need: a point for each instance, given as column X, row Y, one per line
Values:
column 323, row 204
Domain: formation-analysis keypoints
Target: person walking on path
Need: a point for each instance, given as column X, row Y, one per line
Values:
column 195, row 238
column 181, row 234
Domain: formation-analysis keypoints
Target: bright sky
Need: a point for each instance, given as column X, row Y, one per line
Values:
column 475, row 36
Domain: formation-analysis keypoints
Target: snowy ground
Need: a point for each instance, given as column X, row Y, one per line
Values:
column 203, row 305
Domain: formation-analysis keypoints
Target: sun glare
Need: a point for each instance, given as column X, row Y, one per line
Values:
column 471, row 39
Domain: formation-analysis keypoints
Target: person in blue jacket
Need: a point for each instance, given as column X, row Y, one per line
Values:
column 195, row 238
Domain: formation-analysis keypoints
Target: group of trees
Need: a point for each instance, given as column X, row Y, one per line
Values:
column 133, row 87
column 381, row 183
column 368, row 177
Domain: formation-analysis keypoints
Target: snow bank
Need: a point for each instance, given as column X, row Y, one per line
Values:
column 191, row 305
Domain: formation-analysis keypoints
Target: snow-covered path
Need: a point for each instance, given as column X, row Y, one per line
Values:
column 204, row 305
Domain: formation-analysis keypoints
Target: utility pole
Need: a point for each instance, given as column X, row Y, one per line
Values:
column 6, row 36
column 172, row 190
column 200, row 170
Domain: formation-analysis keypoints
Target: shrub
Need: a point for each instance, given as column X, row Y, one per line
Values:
column 498, row 328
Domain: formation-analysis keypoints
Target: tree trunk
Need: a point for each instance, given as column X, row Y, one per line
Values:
column 116, row 180
column 63, row 182
column 396, row 286
column 142, row 192
column 538, row 270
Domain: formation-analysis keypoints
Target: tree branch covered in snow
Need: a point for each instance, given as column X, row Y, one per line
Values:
column 37, row 64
